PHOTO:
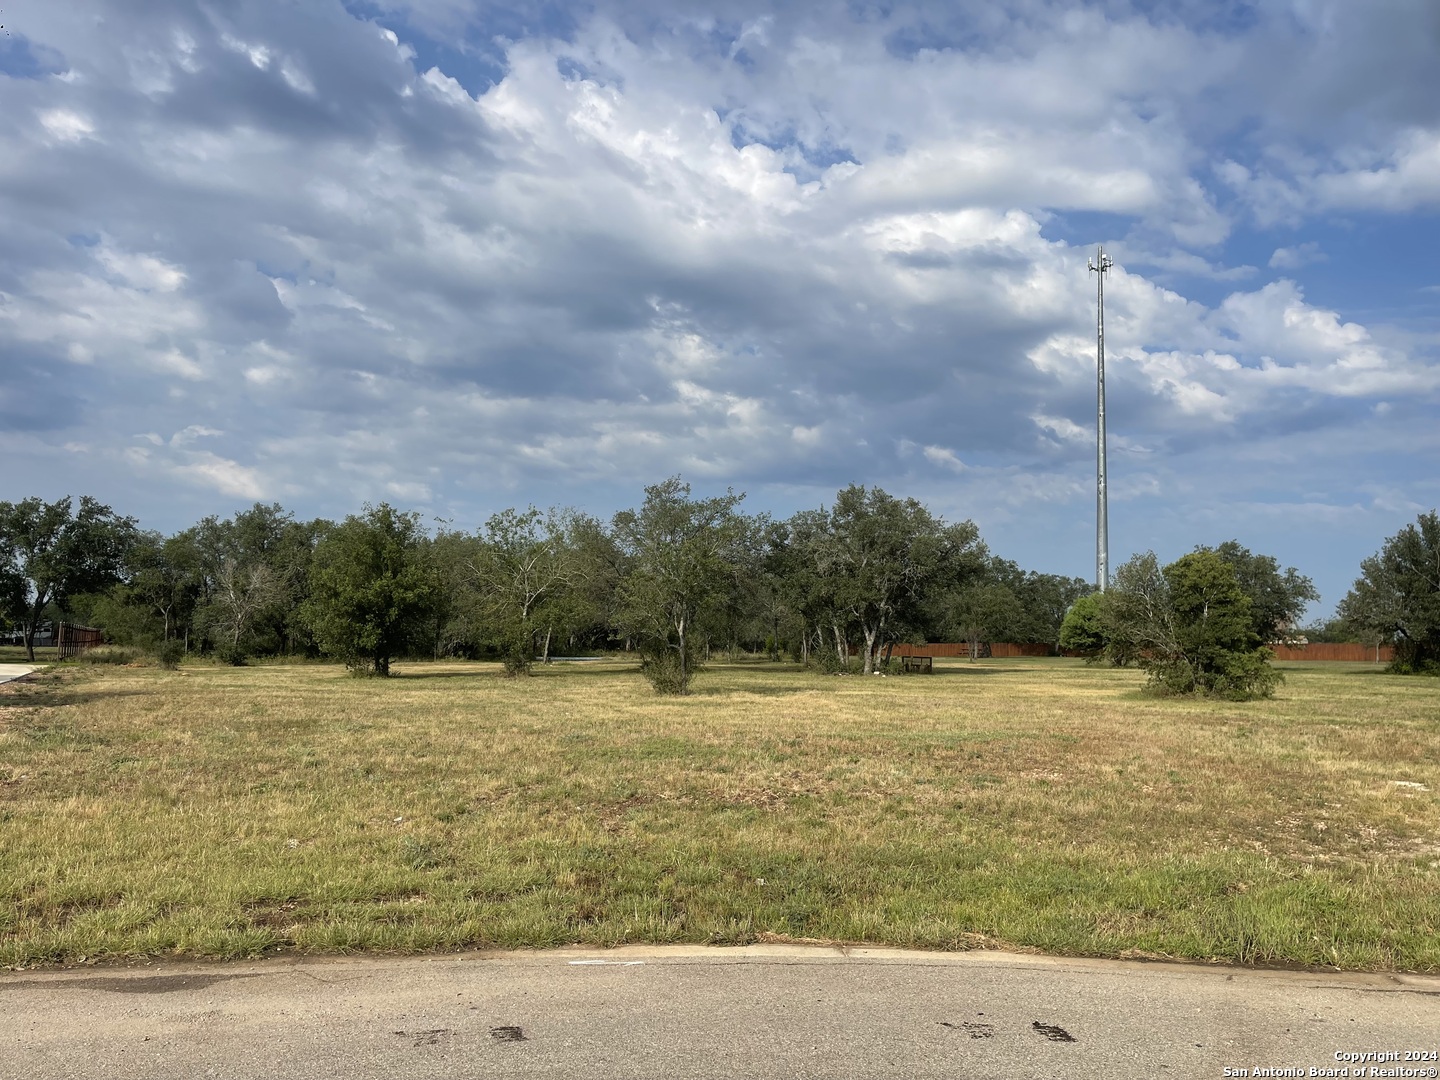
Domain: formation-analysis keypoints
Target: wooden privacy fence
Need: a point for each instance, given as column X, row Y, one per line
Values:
column 72, row 640
column 1348, row 650
column 1315, row 651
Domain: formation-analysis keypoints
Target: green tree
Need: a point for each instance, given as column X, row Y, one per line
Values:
column 254, row 576
column 889, row 556
column 12, row 593
column 981, row 613
column 455, row 623
column 1328, row 631
column 585, row 612
column 1189, row 625
column 1047, row 599
column 680, row 553
column 369, row 588
column 164, row 578
column 1397, row 596
column 807, row 566
column 1081, row 632
column 529, row 567
column 1278, row 599
column 56, row 554
column 1042, row 601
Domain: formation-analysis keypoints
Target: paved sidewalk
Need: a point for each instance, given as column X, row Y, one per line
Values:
column 693, row 1012
column 14, row 671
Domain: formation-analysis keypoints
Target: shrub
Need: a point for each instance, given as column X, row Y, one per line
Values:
column 1235, row 676
column 170, row 654
column 517, row 661
column 661, row 665
column 234, row 655
column 1403, row 665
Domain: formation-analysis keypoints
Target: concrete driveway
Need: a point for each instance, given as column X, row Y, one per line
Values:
column 693, row 1012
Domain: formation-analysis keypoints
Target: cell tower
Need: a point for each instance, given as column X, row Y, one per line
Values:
column 1098, row 266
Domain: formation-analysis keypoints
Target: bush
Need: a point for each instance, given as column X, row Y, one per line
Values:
column 1234, row 676
column 1404, row 666
column 359, row 667
column 234, row 655
column 517, row 661
column 170, row 654
column 662, row 667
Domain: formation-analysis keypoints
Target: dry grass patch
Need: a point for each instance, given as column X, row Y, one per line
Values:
column 1036, row 804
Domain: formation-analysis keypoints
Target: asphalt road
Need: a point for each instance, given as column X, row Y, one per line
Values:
column 690, row 1012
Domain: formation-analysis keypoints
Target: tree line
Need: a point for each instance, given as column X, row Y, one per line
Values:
column 676, row 579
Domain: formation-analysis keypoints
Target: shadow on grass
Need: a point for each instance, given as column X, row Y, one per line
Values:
column 538, row 671
column 32, row 696
column 967, row 668
column 749, row 691
column 586, row 671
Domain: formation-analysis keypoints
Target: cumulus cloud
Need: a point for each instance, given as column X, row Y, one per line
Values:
column 339, row 259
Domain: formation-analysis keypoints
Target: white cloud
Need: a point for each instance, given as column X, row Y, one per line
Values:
column 223, row 475
column 296, row 78
column 1185, row 262
column 945, row 458
column 1293, row 258
column 173, row 361
column 1063, row 429
column 1408, row 178
column 66, row 125
column 258, row 55
column 141, row 271
column 191, row 433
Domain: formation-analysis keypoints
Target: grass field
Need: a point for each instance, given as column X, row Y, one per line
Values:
column 1041, row 804
column 15, row 654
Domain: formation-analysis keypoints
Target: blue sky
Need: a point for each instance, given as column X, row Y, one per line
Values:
column 460, row 256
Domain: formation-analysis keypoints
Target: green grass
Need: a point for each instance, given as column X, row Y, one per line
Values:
column 15, row 654
column 1036, row 804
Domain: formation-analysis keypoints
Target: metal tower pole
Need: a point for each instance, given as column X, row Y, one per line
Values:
column 1101, row 264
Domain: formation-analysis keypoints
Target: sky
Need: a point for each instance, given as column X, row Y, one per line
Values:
column 460, row 256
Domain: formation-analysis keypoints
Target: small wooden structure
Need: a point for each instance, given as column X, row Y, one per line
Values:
column 923, row 665
column 72, row 640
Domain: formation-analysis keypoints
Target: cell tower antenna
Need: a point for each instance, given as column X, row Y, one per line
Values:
column 1099, row 266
